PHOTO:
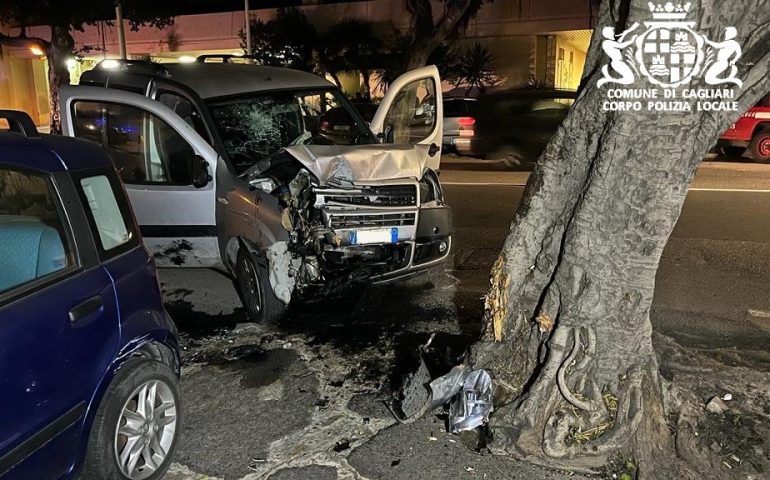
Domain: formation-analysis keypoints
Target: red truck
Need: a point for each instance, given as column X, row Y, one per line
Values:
column 751, row 132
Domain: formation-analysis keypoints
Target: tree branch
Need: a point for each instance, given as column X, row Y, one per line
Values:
column 24, row 41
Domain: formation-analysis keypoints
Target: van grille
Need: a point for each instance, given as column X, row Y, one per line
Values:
column 372, row 220
column 379, row 196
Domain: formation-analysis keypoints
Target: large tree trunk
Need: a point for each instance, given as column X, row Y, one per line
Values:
column 427, row 36
column 568, row 336
column 60, row 50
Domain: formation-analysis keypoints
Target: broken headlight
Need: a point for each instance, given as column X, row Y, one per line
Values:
column 430, row 188
column 267, row 185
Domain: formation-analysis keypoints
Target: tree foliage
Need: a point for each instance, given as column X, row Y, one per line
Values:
column 351, row 46
column 62, row 18
column 288, row 40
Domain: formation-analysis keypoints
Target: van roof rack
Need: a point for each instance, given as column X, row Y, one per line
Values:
column 223, row 58
column 20, row 122
column 142, row 67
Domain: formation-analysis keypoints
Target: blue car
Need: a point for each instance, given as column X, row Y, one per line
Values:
column 89, row 362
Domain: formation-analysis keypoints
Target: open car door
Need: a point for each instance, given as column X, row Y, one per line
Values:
column 412, row 112
column 168, row 170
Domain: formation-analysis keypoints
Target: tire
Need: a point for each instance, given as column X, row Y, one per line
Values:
column 137, row 377
column 760, row 146
column 252, row 281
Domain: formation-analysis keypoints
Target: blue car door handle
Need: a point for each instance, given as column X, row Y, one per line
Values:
column 86, row 308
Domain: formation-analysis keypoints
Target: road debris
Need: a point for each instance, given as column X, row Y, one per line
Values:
column 716, row 405
column 341, row 446
column 469, row 395
column 471, row 408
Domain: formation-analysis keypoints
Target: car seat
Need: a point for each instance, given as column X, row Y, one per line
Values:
column 29, row 249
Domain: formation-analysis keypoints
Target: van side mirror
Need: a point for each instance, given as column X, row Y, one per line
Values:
column 200, row 172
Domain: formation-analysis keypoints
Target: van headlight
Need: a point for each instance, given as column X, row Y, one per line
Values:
column 267, row 185
column 430, row 188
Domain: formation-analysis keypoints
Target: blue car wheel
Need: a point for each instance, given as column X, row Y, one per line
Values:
column 138, row 424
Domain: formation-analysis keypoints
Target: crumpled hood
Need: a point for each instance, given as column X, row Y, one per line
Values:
column 366, row 163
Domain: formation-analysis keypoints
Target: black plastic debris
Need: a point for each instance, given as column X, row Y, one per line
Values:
column 468, row 393
column 341, row 446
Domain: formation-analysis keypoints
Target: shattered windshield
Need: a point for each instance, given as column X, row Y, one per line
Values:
column 255, row 126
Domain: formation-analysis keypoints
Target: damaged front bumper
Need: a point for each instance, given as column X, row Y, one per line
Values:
column 341, row 229
column 384, row 231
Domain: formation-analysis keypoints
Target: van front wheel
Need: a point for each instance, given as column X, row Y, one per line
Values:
column 253, row 283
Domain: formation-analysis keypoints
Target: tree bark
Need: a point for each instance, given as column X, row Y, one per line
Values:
column 568, row 336
column 427, row 36
column 367, row 78
column 61, row 47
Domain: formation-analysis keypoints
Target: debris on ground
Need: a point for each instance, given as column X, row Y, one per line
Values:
column 469, row 395
column 341, row 446
column 471, row 408
column 716, row 405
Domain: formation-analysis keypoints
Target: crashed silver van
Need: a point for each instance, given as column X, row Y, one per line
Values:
column 271, row 173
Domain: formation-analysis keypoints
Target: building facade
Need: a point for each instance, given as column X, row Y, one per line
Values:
column 544, row 41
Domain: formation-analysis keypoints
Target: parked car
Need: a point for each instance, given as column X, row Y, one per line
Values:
column 88, row 357
column 516, row 125
column 460, row 125
column 273, row 174
column 750, row 134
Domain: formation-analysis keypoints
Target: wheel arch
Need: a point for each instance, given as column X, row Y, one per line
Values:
column 759, row 127
column 160, row 346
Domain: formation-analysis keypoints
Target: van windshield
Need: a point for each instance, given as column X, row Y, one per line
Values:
column 257, row 125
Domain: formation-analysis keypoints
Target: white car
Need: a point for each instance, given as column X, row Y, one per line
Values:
column 238, row 165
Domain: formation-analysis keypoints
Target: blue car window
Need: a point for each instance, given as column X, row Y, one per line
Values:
column 105, row 212
column 34, row 243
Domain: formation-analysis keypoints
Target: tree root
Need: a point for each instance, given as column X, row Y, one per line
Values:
column 582, row 404
column 565, row 421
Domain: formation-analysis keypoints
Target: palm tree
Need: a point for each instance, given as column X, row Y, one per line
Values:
column 476, row 69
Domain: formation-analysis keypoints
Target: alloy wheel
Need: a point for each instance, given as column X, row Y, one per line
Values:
column 145, row 430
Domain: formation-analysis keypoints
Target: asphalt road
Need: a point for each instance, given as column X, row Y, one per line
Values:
column 307, row 399
column 712, row 289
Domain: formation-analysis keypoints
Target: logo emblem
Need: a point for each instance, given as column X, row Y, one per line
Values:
column 669, row 53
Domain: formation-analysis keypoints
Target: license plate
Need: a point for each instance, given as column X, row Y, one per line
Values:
column 380, row 235
column 343, row 128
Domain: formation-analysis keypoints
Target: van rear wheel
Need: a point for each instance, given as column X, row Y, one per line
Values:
column 252, row 279
column 760, row 146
